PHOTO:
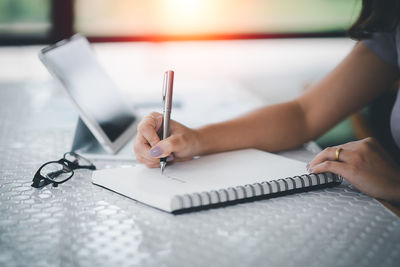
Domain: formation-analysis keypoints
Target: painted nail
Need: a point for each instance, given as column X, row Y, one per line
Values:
column 308, row 166
column 155, row 151
column 310, row 170
column 170, row 158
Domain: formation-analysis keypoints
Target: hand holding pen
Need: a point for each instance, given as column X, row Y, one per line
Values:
column 158, row 143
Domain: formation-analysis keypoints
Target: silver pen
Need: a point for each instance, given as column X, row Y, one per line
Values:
column 167, row 106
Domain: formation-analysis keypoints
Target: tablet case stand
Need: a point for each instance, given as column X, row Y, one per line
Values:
column 84, row 141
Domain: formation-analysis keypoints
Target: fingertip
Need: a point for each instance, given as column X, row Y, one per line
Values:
column 156, row 152
column 318, row 168
column 308, row 167
column 160, row 151
column 166, row 147
column 327, row 166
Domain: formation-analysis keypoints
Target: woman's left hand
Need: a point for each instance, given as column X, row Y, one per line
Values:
column 365, row 164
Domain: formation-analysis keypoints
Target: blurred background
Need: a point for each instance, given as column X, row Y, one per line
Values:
column 316, row 26
column 46, row 20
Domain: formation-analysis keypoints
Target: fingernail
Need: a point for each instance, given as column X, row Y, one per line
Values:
column 155, row 151
column 170, row 158
column 308, row 166
column 310, row 170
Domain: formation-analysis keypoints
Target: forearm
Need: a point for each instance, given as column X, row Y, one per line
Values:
column 271, row 128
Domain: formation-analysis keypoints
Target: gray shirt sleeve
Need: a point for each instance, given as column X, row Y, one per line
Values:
column 383, row 44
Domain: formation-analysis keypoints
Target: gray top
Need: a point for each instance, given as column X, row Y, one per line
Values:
column 386, row 45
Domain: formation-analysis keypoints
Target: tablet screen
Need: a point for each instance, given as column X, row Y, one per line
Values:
column 75, row 65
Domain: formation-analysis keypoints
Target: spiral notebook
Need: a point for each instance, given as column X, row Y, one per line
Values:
column 213, row 180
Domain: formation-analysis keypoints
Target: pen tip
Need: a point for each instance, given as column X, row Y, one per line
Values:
column 162, row 167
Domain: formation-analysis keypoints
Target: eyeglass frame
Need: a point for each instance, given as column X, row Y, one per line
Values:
column 38, row 178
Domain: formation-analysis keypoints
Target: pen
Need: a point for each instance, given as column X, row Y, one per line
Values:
column 167, row 105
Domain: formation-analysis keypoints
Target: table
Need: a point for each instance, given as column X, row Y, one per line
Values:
column 80, row 224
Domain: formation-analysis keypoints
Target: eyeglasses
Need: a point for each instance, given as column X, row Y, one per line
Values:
column 60, row 171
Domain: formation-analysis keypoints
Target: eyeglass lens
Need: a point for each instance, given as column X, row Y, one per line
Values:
column 56, row 172
column 76, row 159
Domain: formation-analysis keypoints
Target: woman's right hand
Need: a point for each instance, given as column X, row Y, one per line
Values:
column 181, row 145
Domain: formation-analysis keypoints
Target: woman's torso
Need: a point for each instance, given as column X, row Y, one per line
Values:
column 387, row 46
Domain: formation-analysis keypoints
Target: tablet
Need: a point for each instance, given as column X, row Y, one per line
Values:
column 100, row 104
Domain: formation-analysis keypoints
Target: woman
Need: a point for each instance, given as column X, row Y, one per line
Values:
column 370, row 69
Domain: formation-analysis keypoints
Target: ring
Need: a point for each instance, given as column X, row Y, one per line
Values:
column 337, row 153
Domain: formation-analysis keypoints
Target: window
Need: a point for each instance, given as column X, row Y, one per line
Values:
column 212, row 17
column 25, row 18
column 113, row 20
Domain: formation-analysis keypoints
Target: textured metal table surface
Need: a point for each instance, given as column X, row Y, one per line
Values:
column 80, row 224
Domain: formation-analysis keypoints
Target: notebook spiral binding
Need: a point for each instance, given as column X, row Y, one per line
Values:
column 288, row 184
